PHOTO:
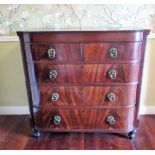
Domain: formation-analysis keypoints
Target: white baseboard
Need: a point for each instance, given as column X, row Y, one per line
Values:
column 14, row 110
column 22, row 110
column 147, row 110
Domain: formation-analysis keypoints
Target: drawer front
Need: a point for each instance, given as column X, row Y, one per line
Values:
column 109, row 95
column 112, row 51
column 94, row 73
column 57, row 96
column 106, row 119
column 84, row 96
column 58, row 52
column 111, row 73
column 48, row 73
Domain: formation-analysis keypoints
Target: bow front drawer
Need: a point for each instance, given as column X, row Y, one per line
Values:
column 59, row 96
column 87, row 73
column 67, row 119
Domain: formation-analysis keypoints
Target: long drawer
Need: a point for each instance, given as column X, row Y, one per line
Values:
column 86, row 73
column 101, row 119
column 84, row 96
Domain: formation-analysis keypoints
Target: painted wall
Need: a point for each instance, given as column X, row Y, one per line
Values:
column 12, row 86
column 148, row 89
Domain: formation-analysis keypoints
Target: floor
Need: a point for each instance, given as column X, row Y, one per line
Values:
column 15, row 133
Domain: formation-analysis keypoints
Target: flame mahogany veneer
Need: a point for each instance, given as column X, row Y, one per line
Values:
column 84, row 95
column 97, row 84
column 94, row 73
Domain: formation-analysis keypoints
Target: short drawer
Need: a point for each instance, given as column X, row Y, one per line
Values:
column 54, row 52
column 110, row 73
column 84, row 95
column 112, row 51
column 48, row 73
column 106, row 119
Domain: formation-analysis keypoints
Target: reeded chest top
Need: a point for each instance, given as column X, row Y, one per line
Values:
column 83, row 80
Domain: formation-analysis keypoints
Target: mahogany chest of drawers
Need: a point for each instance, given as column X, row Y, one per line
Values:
column 83, row 81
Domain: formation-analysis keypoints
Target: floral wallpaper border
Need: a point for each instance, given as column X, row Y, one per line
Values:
column 104, row 16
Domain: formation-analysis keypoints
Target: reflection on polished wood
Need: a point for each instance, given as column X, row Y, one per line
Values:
column 84, row 119
column 15, row 134
column 89, row 73
column 100, row 51
column 64, row 52
column 84, row 96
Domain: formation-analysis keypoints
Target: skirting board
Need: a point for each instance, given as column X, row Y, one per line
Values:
column 22, row 110
column 14, row 110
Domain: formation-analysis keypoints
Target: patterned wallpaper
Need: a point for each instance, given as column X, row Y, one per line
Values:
column 105, row 16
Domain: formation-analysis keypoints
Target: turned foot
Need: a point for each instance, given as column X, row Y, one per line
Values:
column 36, row 132
column 131, row 134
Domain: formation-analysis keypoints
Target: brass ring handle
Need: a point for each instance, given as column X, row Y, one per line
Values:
column 53, row 74
column 57, row 120
column 55, row 96
column 111, row 120
column 51, row 53
column 113, row 52
column 112, row 74
column 111, row 96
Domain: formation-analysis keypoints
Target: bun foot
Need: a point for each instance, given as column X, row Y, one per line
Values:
column 36, row 132
column 131, row 134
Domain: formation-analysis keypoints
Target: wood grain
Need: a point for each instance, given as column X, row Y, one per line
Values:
column 84, row 119
column 145, row 137
column 90, row 36
column 84, row 96
column 98, row 141
column 68, row 96
column 16, row 135
column 17, row 129
column 57, row 141
column 125, row 73
column 94, row 73
column 100, row 51
column 124, row 95
column 65, row 73
column 65, row 52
